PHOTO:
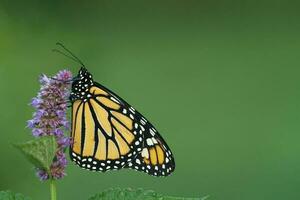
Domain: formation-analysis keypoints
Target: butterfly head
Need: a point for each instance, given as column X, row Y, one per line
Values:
column 81, row 85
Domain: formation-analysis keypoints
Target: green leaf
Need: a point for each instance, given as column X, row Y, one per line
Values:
column 8, row 195
column 40, row 152
column 134, row 194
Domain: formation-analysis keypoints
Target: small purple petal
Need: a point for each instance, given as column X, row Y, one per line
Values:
column 44, row 79
column 35, row 102
column 64, row 142
column 57, row 170
column 53, row 123
column 38, row 114
column 37, row 132
column 66, row 124
column 43, row 175
column 31, row 123
column 61, row 113
column 64, row 75
column 61, row 158
column 58, row 132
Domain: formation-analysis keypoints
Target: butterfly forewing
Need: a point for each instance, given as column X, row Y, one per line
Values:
column 104, row 135
column 109, row 134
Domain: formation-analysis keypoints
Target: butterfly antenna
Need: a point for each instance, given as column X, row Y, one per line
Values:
column 60, row 52
column 70, row 52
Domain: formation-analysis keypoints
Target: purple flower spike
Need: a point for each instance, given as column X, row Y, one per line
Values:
column 50, row 118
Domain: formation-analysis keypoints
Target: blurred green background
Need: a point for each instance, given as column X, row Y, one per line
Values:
column 219, row 79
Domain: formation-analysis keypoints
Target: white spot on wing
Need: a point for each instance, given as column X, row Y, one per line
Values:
column 149, row 142
column 114, row 99
column 154, row 140
column 145, row 153
column 138, row 161
column 152, row 132
column 167, row 160
column 132, row 110
column 136, row 125
column 143, row 121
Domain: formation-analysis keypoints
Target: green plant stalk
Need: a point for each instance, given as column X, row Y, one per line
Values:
column 53, row 189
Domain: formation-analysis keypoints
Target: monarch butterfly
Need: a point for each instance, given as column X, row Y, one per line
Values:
column 109, row 134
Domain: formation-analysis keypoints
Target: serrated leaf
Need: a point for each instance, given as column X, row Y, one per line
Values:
column 8, row 195
column 134, row 194
column 40, row 152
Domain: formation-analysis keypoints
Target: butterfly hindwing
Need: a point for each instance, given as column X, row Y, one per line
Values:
column 156, row 157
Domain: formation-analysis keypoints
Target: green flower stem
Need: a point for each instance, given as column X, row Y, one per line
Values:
column 53, row 189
